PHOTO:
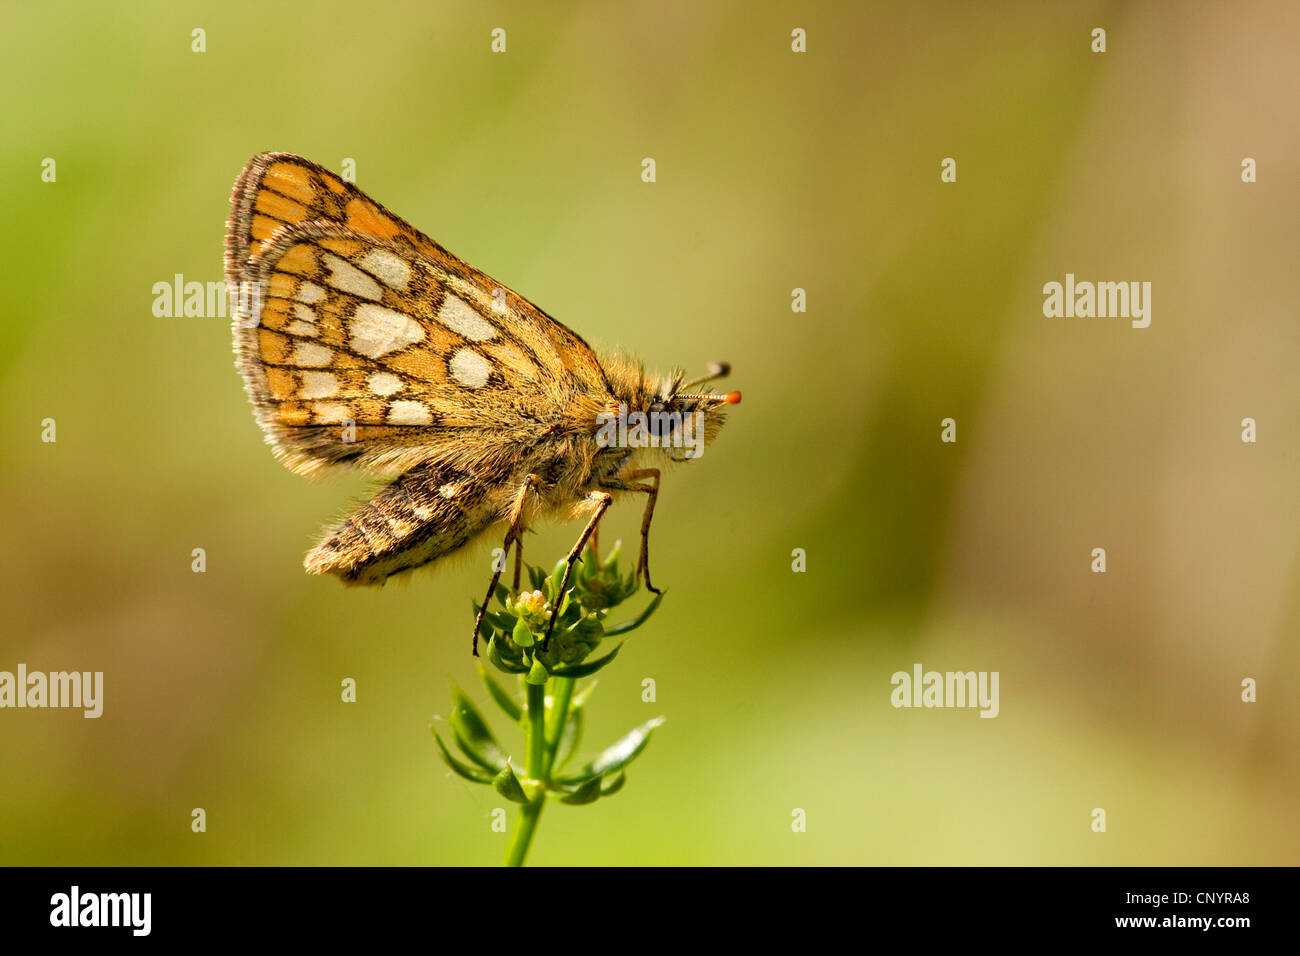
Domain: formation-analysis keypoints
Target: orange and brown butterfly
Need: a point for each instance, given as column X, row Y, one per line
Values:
column 364, row 343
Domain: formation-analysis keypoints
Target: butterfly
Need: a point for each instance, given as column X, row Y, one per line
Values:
column 364, row 343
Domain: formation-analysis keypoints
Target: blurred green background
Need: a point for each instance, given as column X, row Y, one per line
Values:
column 775, row 170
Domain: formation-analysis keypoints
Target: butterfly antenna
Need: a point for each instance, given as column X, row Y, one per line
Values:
column 731, row 398
column 716, row 370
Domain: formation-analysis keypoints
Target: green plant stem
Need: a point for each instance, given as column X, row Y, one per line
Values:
column 529, row 813
column 543, row 740
column 524, row 829
column 561, row 695
column 536, row 733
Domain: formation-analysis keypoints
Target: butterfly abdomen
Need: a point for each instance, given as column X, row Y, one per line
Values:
column 428, row 512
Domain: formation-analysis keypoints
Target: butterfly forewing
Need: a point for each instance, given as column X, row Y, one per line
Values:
column 371, row 344
column 278, row 190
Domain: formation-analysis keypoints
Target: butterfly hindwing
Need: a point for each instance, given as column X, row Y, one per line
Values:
column 427, row 512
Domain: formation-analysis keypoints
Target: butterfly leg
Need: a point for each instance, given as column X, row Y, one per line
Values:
column 652, row 495
column 602, row 501
column 519, row 561
column 514, row 535
column 631, row 482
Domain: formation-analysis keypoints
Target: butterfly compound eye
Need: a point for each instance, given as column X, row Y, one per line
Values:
column 660, row 420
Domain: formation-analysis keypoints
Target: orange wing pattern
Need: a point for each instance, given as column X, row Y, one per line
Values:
column 364, row 322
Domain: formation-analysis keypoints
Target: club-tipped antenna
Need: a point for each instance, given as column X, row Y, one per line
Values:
column 731, row 398
column 716, row 370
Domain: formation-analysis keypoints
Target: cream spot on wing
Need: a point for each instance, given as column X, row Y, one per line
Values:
column 304, row 313
column 447, row 491
column 469, row 368
column 331, row 413
column 302, row 328
column 391, row 269
column 318, row 385
column 346, row 277
column 409, row 413
column 309, row 292
column 457, row 315
column 377, row 331
column 384, row 383
column 308, row 354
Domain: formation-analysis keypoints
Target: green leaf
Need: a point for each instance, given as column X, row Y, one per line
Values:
column 571, row 736
column 462, row 769
column 505, row 700
column 581, row 697
column 610, row 786
column 589, row 792
column 538, row 674
column 522, row 634
column 554, row 583
column 617, row 756
column 508, row 785
column 501, row 592
column 588, row 630
column 587, row 668
column 537, row 576
column 510, row 667
column 472, row 733
column 640, row 618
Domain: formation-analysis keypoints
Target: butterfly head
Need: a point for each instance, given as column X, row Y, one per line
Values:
column 681, row 421
column 676, row 399
column 662, row 416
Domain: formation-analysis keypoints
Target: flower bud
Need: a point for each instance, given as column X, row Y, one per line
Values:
column 532, row 608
